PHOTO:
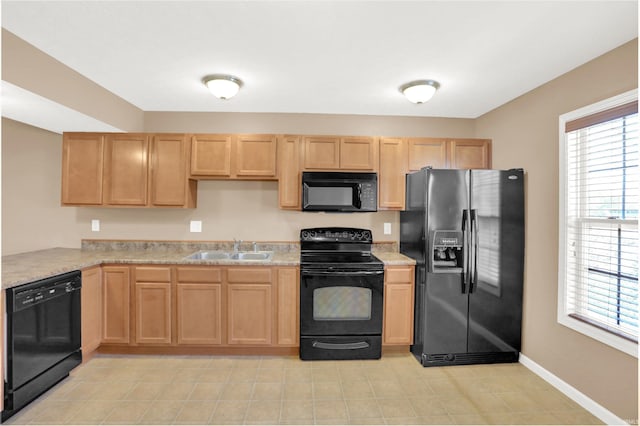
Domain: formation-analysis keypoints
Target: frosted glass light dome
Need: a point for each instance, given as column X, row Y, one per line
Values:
column 421, row 91
column 223, row 86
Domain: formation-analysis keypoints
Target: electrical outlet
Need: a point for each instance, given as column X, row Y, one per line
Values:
column 195, row 226
column 387, row 228
column 95, row 225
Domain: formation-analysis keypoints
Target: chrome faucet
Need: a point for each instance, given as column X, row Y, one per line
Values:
column 255, row 247
column 236, row 245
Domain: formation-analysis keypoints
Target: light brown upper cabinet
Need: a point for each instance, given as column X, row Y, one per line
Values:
column 126, row 168
column 169, row 183
column 289, row 177
column 427, row 152
column 321, row 152
column 256, row 156
column 82, row 160
column 399, row 156
column 211, row 155
column 470, row 154
column 358, row 153
column 242, row 156
column 391, row 173
column 340, row 153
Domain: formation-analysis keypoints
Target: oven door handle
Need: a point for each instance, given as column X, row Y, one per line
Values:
column 313, row 273
column 340, row 346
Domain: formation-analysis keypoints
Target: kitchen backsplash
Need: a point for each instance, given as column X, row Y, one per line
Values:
column 191, row 246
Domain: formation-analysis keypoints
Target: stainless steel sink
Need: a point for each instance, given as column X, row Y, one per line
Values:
column 222, row 255
column 209, row 255
column 252, row 255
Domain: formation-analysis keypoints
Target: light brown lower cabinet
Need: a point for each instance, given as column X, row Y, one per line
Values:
column 153, row 305
column 115, row 304
column 397, row 328
column 91, row 308
column 222, row 306
column 249, row 306
column 287, row 306
column 153, row 313
column 199, row 306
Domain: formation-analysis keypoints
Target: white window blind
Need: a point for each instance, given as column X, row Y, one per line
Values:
column 599, row 214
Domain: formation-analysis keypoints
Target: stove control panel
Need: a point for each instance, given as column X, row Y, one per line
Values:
column 334, row 234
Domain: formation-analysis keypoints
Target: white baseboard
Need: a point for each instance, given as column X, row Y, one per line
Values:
column 587, row 403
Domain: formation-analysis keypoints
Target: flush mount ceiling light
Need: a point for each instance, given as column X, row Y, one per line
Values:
column 419, row 91
column 222, row 86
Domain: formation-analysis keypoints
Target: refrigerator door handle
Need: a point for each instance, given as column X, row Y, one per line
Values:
column 465, row 251
column 473, row 269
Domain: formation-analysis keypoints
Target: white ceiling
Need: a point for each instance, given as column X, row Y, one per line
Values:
column 337, row 57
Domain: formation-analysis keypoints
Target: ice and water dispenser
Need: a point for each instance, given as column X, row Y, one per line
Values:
column 447, row 255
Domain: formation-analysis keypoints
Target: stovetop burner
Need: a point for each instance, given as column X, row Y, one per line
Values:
column 348, row 248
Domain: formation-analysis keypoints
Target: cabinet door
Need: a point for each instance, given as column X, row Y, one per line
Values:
column 115, row 304
column 289, row 179
column 425, row 152
column 153, row 313
column 199, row 314
column 397, row 327
column 321, row 152
column 169, row 185
column 126, row 169
column 91, row 307
column 358, row 153
column 470, row 153
column 82, row 162
column 211, row 155
column 249, row 314
column 288, row 317
column 391, row 174
column 249, row 306
column 199, row 307
column 256, row 156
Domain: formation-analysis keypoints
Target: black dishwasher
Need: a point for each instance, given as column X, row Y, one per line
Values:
column 42, row 337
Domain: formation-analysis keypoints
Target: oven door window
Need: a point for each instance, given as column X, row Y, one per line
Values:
column 342, row 304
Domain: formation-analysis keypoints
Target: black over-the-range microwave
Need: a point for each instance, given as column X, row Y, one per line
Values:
column 339, row 192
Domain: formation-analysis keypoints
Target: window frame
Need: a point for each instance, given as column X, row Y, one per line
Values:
column 563, row 317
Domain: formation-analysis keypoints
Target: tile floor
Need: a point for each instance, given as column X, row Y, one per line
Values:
column 285, row 390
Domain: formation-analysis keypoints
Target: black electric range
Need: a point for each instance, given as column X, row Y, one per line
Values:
column 341, row 295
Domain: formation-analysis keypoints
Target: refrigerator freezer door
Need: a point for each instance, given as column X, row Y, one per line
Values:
column 495, row 299
column 445, row 303
column 445, row 315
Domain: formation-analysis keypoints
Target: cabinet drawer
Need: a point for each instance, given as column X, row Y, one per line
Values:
column 249, row 275
column 399, row 275
column 199, row 275
column 153, row 274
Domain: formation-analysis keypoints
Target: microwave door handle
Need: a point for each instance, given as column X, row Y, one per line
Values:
column 358, row 201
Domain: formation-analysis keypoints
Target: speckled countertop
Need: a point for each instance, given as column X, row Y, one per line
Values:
column 22, row 268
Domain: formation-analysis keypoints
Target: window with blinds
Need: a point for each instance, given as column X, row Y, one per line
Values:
column 599, row 221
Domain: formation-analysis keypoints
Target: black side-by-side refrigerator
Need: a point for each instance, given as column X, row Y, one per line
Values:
column 465, row 229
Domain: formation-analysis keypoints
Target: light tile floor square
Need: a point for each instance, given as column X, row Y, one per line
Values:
column 139, row 389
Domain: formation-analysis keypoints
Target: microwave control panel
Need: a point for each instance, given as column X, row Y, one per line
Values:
column 369, row 195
